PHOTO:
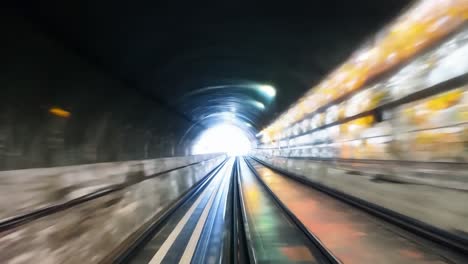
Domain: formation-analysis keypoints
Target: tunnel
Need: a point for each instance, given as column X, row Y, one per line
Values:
column 234, row 132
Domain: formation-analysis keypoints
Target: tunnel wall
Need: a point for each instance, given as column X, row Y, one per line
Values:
column 96, row 118
column 86, row 163
column 96, row 230
column 30, row 190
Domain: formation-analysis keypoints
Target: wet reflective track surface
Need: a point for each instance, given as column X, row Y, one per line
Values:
column 246, row 212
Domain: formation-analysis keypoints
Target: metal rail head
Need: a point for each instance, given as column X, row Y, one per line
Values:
column 234, row 219
column 244, row 246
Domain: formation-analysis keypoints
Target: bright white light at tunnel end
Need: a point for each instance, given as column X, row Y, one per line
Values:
column 268, row 90
column 223, row 138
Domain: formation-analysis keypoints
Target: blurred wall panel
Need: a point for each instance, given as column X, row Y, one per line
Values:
column 30, row 190
column 95, row 231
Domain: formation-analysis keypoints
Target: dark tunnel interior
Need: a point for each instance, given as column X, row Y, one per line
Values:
column 122, row 69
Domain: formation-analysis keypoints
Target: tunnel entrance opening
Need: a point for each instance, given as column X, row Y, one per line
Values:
column 223, row 138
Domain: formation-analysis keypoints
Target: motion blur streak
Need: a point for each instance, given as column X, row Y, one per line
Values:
column 326, row 131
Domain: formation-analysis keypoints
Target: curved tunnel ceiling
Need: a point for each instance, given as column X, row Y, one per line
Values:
column 209, row 63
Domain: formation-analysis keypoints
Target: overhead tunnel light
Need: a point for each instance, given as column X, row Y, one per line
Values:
column 258, row 105
column 57, row 111
column 267, row 90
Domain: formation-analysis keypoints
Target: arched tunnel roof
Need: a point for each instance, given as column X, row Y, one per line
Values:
column 210, row 62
